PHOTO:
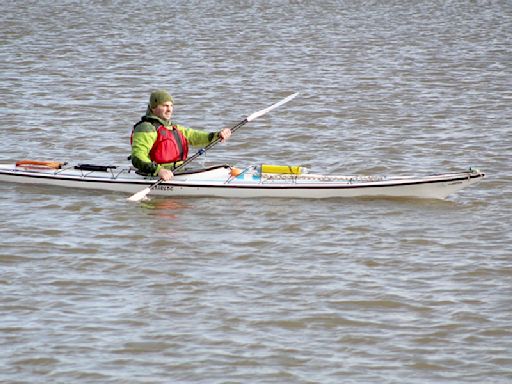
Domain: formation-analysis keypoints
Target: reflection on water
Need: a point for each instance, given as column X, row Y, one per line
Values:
column 165, row 207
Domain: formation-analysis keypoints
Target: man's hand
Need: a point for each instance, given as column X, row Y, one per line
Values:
column 225, row 134
column 165, row 174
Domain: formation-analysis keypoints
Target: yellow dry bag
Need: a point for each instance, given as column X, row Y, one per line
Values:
column 282, row 169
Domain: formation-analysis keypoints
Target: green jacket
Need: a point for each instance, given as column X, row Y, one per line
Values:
column 144, row 136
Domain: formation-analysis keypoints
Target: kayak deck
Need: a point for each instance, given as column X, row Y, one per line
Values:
column 227, row 181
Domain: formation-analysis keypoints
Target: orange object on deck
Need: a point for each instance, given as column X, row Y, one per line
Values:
column 235, row 171
column 39, row 164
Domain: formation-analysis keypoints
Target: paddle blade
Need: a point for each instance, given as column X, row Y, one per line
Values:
column 257, row 114
column 139, row 195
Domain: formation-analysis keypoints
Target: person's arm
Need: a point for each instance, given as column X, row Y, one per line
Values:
column 198, row 138
column 143, row 139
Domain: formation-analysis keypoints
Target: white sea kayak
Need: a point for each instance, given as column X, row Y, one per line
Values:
column 227, row 181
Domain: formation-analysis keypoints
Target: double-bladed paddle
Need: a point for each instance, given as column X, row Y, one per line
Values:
column 142, row 194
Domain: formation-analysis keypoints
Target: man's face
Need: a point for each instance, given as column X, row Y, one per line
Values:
column 164, row 111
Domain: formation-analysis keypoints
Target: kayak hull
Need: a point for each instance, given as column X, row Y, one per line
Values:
column 220, row 182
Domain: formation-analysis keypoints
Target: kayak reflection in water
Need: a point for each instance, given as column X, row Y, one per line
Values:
column 158, row 144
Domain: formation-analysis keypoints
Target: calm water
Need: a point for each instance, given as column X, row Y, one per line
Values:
column 97, row 290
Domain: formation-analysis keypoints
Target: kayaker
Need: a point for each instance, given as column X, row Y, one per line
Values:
column 158, row 144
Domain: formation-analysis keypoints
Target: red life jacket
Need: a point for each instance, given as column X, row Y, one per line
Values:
column 170, row 144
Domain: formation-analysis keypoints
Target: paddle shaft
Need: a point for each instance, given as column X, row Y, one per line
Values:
column 255, row 115
column 210, row 145
column 251, row 117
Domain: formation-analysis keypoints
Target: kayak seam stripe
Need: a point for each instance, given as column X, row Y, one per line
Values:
column 259, row 186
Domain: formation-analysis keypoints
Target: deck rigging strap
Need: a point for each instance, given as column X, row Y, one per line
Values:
column 92, row 167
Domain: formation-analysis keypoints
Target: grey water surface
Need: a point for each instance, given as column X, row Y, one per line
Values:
column 94, row 289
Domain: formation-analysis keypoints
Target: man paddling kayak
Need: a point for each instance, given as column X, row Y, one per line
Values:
column 158, row 144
